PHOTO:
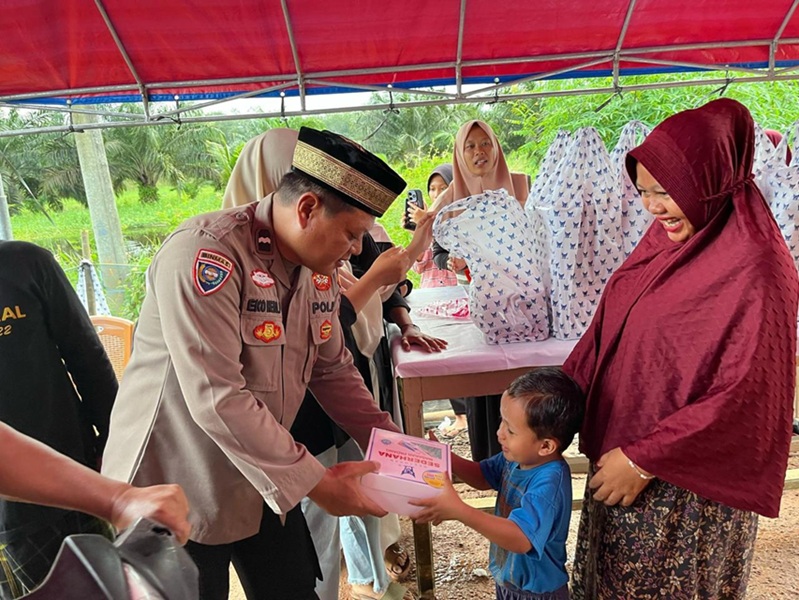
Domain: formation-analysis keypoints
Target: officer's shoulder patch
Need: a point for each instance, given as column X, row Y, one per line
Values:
column 212, row 270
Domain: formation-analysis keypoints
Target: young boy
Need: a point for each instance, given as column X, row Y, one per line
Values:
column 541, row 411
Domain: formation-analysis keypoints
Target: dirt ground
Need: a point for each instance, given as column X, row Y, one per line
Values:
column 461, row 555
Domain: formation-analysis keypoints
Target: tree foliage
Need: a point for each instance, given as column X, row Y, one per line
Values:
column 774, row 105
column 40, row 171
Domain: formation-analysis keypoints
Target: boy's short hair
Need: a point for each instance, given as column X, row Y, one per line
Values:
column 554, row 403
column 295, row 184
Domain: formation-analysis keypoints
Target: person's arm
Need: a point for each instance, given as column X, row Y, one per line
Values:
column 389, row 268
column 440, row 256
column 422, row 238
column 448, row 506
column 33, row 472
column 424, row 260
column 468, row 471
column 80, row 347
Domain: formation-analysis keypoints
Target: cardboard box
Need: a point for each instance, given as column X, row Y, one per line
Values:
column 410, row 468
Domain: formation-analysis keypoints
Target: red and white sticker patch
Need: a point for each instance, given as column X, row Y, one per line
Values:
column 268, row 331
column 326, row 330
column 321, row 282
column 262, row 278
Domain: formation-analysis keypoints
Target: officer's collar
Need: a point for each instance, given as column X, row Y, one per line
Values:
column 264, row 240
column 262, row 229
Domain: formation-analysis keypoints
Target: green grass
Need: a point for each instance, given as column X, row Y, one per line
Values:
column 138, row 221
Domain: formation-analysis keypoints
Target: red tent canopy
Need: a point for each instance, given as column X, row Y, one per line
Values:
column 118, row 50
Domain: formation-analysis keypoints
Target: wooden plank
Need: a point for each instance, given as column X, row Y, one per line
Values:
column 442, row 387
column 577, row 464
column 486, row 504
column 792, row 479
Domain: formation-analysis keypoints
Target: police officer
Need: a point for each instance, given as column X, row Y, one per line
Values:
column 240, row 317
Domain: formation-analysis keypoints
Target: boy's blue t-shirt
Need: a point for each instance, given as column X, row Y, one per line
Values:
column 539, row 501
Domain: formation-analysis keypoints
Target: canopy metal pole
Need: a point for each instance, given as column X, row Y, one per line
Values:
column 5, row 216
column 690, row 65
column 459, row 53
column 125, row 56
column 294, row 52
column 192, row 107
column 538, row 77
column 411, row 104
column 379, row 88
column 772, row 56
column 620, row 41
column 625, row 52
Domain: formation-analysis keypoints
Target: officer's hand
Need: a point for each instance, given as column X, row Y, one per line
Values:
column 340, row 493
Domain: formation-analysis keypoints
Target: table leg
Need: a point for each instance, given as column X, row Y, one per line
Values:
column 410, row 393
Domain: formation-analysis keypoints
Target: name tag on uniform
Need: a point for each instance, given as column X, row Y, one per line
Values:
column 319, row 307
column 262, row 305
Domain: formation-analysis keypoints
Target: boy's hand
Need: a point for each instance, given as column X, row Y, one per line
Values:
column 444, row 507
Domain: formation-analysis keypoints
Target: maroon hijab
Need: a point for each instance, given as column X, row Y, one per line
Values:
column 688, row 364
column 775, row 137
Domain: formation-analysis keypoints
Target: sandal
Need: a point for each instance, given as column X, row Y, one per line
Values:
column 453, row 432
column 398, row 562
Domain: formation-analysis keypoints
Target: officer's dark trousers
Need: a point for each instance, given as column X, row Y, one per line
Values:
column 278, row 563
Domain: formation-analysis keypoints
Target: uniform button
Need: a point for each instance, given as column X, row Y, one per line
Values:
column 242, row 217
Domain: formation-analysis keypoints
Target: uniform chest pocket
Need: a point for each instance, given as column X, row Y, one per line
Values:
column 263, row 338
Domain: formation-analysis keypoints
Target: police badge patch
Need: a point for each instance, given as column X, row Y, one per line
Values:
column 262, row 279
column 321, row 282
column 212, row 269
column 268, row 331
column 326, row 330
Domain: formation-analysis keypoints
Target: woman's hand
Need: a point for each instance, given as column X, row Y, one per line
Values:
column 413, row 336
column 418, row 215
column 391, row 266
column 616, row 481
column 414, row 215
column 455, row 264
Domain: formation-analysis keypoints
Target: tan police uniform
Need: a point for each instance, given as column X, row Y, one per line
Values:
column 224, row 350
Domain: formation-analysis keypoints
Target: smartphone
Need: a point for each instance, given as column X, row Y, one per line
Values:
column 414, row 198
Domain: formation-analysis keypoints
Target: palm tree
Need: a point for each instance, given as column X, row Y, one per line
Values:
column 173, row 154
column 26, row 162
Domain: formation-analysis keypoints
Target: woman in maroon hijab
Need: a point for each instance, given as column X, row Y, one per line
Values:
column 688, row 368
